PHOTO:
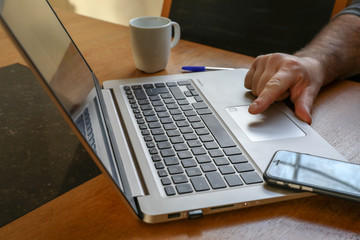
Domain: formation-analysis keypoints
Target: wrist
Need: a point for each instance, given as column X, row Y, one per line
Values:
column 317, row 67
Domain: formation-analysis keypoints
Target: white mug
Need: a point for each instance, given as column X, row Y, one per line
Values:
column 151, row 41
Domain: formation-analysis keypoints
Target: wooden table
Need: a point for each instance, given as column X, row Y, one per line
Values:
column 95, row 211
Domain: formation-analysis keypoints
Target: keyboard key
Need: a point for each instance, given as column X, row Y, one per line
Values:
column 197, row 125
column 165, row 181
column 163, row 115
column 184, row 154
column 199, row 105
column 220, row 134
column 190, row 113
column 156, row 158
column 159, row 165
column 204, row 111
column 215, row 180
column 173, row 133
column 226, row 170
column 211, row 145
column 176, row 140
column 221, row 161
column 160, row 138
column 164, row 145
column 178, row 94
column 140, row 94
column 203, row 159
column 167, row 153
column 179, row 117
column 194, row 143
column 175, row 170
column 156, row 91
column 166, row 95
column 184, row 83
column 190, row 136
column 198, row 151
column 179, row 178
column 157, row 103
column 159, row 85
column 206, row 138
column 232, row 151
column 149, row 85
column 169, row 100
column 162, row 173
column 233, row 180
column 184, row 188
column 243, row 167
column 216, row 153
column 157, row 131
column 171, row 84
column 238, row 159
column 182, row 123
column 251, row 177
column 175, row 112
column 186, row 130
column 194, row 119
column 169, row 190
column 188, row 163
column 208, row 167
column 200, row 184
column 171, row 161
column 191, row 172
column 180, row 147
column 169, row 126
column 202, row 131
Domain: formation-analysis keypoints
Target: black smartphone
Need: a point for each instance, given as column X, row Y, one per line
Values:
column 314, row 174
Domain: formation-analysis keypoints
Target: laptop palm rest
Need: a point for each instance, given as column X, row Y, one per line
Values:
column 271, row 125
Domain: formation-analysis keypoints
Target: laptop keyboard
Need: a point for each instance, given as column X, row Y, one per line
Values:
column 190, row 149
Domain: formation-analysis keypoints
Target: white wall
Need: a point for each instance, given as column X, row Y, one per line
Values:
column 116, row 11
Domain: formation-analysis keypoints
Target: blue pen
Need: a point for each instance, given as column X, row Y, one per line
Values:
column 203, row 68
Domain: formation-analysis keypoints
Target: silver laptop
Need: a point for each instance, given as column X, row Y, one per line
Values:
column 176, row 146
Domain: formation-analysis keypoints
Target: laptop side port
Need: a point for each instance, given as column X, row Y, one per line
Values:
column 174, row 215
column 195, row 214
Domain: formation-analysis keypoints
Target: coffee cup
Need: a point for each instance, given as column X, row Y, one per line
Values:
column 151, row 41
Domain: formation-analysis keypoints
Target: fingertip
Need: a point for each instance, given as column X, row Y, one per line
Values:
column 304, row 113
column 259, row 105
column 254, row 108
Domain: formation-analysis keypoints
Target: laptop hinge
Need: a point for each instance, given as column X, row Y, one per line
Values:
column 122, row 146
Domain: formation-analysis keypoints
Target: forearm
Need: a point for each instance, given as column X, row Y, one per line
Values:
column 337, row 48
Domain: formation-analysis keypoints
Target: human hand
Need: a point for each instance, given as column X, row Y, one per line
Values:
column 274, row 77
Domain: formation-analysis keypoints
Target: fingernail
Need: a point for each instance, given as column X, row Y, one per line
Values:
column 253, row 107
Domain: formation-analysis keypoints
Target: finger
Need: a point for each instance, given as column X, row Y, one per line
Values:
column 304, row 104
column 249, row 78
column 263, row 79
column 276, row 88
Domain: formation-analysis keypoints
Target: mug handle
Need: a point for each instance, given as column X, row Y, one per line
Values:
column 176, row 38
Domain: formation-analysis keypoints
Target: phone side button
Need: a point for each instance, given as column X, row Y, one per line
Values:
column 294, row 186
column 309, row 189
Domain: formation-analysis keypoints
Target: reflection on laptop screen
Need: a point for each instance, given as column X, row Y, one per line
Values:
column 47, row 45
column 51, row 51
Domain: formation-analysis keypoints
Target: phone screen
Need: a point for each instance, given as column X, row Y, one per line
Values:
column 327, row 175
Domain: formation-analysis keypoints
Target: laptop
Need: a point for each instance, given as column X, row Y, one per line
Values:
column 175, row 146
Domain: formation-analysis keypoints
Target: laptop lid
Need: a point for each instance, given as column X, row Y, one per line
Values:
column 44, row 42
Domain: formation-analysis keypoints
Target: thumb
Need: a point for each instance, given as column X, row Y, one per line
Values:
column 303, row 106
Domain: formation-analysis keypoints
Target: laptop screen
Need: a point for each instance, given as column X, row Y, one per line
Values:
column 44, row 41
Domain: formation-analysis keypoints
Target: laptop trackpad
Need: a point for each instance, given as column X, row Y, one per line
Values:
column 270, row 125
